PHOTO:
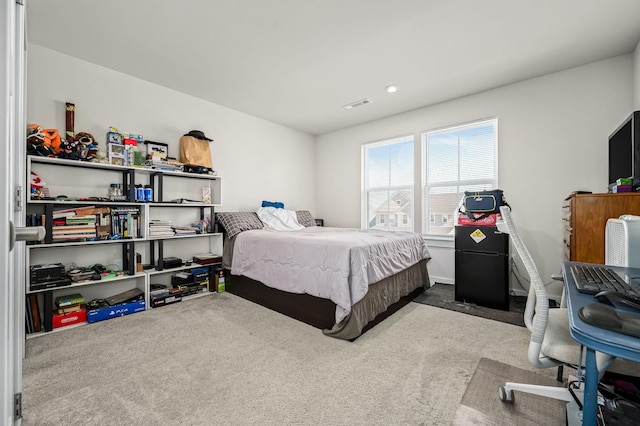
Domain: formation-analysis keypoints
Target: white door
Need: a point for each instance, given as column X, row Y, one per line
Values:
column 12, row 198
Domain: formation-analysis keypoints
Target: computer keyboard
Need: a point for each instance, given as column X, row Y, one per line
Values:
column 594, row 279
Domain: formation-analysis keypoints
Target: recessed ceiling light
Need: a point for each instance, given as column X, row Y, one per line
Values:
column 392, row 88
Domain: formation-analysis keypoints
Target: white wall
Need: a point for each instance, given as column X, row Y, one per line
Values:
column 636, row 78
column 552, row 140
column 257, row 159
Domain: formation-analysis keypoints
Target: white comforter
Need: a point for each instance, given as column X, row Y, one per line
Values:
column 332, row 263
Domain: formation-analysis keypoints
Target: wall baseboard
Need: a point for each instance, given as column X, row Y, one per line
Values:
column 518, row 292
column 441, row 280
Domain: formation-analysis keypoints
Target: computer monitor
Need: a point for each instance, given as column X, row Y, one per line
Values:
column 624, row 151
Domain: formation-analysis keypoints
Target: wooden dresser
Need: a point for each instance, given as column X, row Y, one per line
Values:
column 585, row 217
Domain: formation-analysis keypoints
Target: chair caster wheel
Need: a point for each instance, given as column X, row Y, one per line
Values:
column 506, row 397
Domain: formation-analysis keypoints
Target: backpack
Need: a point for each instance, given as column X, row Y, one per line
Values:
column 484, row 202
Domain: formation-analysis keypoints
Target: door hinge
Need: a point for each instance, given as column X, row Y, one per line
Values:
column 17, row 406
column 18, row 203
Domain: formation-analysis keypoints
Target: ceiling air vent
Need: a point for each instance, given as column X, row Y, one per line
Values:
column 355, row 104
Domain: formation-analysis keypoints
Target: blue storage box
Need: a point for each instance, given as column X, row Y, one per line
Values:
column 115, row 311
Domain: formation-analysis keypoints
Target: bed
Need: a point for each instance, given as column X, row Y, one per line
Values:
column 341, row 280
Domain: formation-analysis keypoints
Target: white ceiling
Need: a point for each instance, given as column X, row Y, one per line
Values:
column 297, row 62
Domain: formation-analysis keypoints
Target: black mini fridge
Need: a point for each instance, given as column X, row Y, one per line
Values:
column 482, row 266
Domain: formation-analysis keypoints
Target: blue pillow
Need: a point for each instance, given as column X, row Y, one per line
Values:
column 276, row 204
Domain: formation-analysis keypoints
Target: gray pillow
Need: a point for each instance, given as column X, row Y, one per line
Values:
column 236, row 222
column 305, row 218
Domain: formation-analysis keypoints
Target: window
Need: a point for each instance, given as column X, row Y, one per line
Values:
column 387, row 184
column 456, row 159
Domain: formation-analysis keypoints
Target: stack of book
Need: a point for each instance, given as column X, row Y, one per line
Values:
column 69, row 303
column 79, row 224
column 160, row 228
column 70, row 309
column 184, row 230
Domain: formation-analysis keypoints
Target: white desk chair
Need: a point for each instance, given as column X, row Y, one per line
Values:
column 551, row 344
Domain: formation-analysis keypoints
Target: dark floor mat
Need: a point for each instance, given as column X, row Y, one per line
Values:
column 442, row 296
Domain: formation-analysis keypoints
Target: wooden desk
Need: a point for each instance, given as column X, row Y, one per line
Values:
column 585, row 217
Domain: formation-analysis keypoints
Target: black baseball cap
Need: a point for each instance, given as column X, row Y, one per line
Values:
column 198, row 134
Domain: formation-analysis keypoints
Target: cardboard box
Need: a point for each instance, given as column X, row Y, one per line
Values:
column 115, row 311
column 622, row 188
column 490, row 220
column 219, row 281
column 70, row 318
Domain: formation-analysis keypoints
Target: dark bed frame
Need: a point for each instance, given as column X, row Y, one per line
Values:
column 315, row 311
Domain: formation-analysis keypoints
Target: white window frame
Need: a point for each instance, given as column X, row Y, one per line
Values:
column 364, row 202
column 488, row 183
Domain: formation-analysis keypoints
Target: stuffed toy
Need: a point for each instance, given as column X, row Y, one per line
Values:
column 39, row 141
column 89, row 146
column 70, row 150
column 100, row 157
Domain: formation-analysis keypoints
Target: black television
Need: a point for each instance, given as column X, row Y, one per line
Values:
column 624, row 151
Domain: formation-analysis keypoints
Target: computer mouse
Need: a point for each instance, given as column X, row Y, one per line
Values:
column 618, row 300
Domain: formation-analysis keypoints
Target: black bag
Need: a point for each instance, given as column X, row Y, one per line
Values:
column 484, row 202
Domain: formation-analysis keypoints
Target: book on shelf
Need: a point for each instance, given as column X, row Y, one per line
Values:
column 162, row 234
column 84, row 219
column 185, row 201
column 119, row 210
column 69, row 308
column 75, row 232
column 69, row 228
column 72, row 237
column 69, row 300
column 180, row 230
column 160, row 228
column 62, row 214
column 71, row 212
column 28, row 318
column 93, row 211
column 32, row 313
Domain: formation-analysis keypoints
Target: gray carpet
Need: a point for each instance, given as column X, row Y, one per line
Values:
column 479, row 407
column 443, row 296
column 220, row 360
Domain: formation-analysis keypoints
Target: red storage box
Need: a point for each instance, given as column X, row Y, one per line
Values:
column 76, row 317
column 490, row 220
